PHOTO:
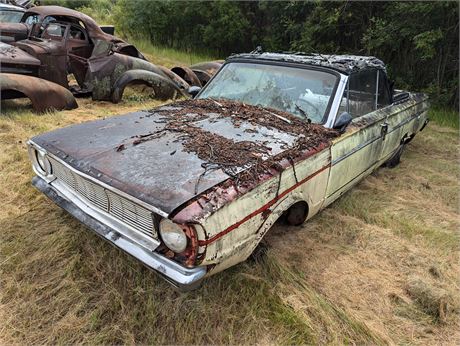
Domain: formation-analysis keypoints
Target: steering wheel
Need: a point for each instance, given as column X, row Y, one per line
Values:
column 311, row 105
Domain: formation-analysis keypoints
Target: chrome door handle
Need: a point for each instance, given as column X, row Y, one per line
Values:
column 383, row 129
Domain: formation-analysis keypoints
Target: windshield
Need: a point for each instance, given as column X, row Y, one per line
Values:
column 10, row 16
column 302, row 92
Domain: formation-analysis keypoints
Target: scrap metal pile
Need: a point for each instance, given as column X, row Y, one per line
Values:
column 52, row 44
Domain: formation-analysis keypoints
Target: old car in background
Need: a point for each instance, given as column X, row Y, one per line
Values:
column 191, row 188
column 55, row 43
column 10, row 14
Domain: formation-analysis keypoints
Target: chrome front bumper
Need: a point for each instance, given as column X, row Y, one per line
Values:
column 181, row 277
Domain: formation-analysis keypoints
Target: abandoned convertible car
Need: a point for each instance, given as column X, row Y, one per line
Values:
column 53, row 43
column 191, row 188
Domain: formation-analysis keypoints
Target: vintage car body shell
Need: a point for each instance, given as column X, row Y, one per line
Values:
column 98, row 73
column 230, row 220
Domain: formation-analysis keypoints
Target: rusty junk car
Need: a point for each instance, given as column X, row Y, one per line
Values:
column 53, row 43
column 191, row 188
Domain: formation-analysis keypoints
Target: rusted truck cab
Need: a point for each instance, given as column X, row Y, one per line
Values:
column 192, row 187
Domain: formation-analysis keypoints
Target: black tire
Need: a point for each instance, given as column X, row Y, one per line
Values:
column 395, row 159
column 296, row 214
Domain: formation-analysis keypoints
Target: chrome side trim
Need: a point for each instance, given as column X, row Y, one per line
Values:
column 372, row 140
column 181, row 277
column 355, row 149
column 408, row 120
column 104, row 185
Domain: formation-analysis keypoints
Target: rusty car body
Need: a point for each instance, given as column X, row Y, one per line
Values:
column 191, row 188
column 53, row 43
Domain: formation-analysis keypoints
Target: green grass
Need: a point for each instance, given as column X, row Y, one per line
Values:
column 444, row 117
column 169, row 57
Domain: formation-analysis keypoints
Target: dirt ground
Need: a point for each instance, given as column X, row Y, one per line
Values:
column 379, row 266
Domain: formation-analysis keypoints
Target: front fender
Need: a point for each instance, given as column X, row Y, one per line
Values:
column 240, row 251
column 43, row 94
column 163, row 88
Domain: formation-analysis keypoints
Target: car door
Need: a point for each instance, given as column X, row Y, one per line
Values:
column 356, row 152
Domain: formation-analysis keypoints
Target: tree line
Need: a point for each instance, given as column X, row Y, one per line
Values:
column 419, row 41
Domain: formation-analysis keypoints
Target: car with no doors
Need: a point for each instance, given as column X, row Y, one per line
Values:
column 192, row 187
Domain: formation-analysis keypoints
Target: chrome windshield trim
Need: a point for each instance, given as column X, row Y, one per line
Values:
column 104, row 185
column 181, row 277
column 336, row 102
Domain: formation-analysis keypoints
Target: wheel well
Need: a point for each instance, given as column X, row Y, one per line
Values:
column 136, row 82
column 296, row 214
column 9, row 94
column 407, row 138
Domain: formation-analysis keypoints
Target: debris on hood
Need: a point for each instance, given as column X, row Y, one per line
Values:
column 245, row 161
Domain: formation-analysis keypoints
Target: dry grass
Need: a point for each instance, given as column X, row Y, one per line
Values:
column 381, row 265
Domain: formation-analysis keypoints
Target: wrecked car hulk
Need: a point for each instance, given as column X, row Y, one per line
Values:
column 191, row 188
column 58, row 44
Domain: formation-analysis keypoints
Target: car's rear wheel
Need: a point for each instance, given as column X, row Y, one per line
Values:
column 395, row 159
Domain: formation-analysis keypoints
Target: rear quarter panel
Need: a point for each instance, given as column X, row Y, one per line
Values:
column 404, row 120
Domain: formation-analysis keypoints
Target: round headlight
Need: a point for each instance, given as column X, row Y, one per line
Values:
column 41, row 164
column 41, row 160
column 173, row 236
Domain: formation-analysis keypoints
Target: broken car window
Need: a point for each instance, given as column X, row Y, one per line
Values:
column 54, row 31
column 30, row 18
column 301, row 92
column 10, row 16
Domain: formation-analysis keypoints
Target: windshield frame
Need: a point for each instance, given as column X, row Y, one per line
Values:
column 18, row 11
column 286, row 64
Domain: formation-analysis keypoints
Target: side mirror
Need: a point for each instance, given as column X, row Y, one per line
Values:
column 194, row 90
column 342, row 121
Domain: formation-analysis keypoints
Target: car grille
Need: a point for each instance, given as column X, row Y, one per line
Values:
column 119, row 207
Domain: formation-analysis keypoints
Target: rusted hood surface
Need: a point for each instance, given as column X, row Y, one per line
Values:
column 19, row 30
column 13, row 55
column 168, row 155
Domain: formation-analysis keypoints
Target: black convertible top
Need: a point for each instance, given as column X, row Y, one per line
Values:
column 343, row 63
